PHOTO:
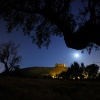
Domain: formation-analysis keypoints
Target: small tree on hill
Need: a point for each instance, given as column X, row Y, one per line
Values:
column 76, row 70
column 92, row 70
column 9, row 56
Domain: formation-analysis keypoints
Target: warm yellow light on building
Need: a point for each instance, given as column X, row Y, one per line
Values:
column 58, row 69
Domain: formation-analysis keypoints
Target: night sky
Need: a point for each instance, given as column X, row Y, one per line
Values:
column 57, row 51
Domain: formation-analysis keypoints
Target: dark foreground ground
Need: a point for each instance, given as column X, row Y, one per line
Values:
column 38, row 89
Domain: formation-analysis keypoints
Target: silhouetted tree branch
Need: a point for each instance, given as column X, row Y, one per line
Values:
column 49, row 17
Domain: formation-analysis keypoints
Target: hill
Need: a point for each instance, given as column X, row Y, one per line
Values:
column 42, row 71
column 36, row 71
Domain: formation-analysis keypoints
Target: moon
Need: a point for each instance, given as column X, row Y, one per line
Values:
column 76, row 55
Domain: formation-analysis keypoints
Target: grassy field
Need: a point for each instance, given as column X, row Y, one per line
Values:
column 38, row 89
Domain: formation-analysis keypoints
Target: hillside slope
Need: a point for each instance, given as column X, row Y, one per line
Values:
column 42, row 71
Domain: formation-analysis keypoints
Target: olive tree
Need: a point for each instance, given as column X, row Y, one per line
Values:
column 92, row 70
column 9, row 56
column 54, row 17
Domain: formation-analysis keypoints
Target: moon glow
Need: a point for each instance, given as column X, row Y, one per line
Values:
column 76, row 55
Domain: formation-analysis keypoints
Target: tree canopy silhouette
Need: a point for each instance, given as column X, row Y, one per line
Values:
column 54, row 17
column 9, row 56
column 75, row 71
column 92, row 70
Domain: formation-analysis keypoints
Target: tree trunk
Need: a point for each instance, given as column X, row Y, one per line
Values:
column 6, row 68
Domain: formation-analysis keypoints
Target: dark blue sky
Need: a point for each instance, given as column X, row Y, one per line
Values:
column 57, row 51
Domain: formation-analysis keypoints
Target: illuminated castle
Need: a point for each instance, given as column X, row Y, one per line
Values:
column 58, row 69
column 60, row 65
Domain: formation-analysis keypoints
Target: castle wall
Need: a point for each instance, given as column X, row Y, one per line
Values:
column 60, row 65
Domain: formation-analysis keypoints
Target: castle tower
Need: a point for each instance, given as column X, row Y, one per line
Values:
column 60, row 65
